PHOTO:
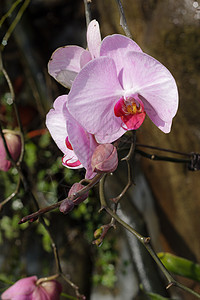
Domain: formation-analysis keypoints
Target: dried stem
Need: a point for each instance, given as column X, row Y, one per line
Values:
column 144, row 240
column 164, row 158
column 13, row 24
column 12, row 93
column 163, row 149
column 44, row 210
column 11, row 195
column 9, row 12
column 87, row 4
column 128, row 159
column 75, row 287
column 123, row 22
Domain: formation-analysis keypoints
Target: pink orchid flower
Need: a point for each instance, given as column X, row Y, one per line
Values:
column 113, row 93
column 14, row 146
column 66, row 62
column 70, row 137
column 30, row 289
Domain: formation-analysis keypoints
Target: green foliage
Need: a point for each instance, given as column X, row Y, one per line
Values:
column 46, row 241
column 154, row 296
column 30, row 154
column 180, row 266
column 10, row 228
column 105, row 264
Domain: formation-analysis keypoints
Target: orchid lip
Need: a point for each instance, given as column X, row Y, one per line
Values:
column 131, row 111
column 71, row 165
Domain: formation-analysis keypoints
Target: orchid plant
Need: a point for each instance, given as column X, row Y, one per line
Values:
column 113, row 86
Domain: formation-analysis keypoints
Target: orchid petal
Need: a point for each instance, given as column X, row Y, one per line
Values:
column 162, row 125
column 91, row 100
column 144, row 75
column 40, row 294
column 56, row 123
column 85, row 58
column 94, row 38
column 83, row 143
column 116, row 46
column 71, row 161
column 65, row 63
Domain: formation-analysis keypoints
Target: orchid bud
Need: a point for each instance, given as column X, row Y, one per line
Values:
column 53, row 288
column 76, row 187
column 13, row 142
column 98, row 232
column 30, row 288
column 66, row 206
column 104, row 158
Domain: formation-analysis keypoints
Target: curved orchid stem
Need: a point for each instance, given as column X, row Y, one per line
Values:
column 14, row 23
column 87, row 4
column 11, row 195
column 9, row 12
column 164, row 158
column 12, row 93
column 35, row 215
column 123, row 22
column 163, row 149
column 127, row 158
column 75, row 287
column 144, row 240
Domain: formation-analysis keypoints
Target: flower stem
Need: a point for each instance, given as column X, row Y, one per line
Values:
column 123, row 22
column 13, row 24
column 87, row 4
column 144, row 240
column 44, row 210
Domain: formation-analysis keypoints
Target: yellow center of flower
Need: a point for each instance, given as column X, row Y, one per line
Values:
column 133, row 108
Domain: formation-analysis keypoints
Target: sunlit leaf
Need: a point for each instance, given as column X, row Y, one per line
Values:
column 180, row 266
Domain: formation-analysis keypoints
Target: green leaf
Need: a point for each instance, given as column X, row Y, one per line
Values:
column 154, row 296
column 180, row 266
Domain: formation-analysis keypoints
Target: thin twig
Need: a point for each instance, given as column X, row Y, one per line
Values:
column 11, row 195
column 144, row 240
column 123, row 22
column 13, row 24
column 87, row 4
column 9, row 12
column 12, row 93
column 75, row 287
column 128, row 159
column 44, row 210
column 163, row 158
column 163, row 149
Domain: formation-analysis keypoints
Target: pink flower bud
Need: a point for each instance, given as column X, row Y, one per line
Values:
column 14, row 146
column 30, row 289
column 66, row 206
column 53, row 289
column 104, row 158
column 74, row 189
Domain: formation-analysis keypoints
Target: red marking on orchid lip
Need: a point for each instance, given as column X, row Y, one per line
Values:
column 131, row 111
column 72, row 165
column 68, row 144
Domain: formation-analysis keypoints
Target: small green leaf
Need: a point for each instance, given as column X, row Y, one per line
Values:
column 68, row 296
column 180, row 266
column 154, row 296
